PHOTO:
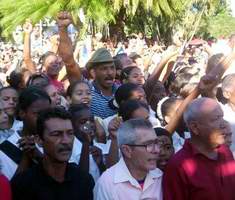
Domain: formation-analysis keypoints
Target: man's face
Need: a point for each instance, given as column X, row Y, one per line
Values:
column 211, row 125
column 166, row 151
column 58, row 139
column 84, row 123
column 105, row 75
column 139, row 94
column 141, row 159
column 31, row 114
column 10, row 99
column 4, row 120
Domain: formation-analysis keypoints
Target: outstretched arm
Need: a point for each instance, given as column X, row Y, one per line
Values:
column 28, row 28
column 64, row 19
column 160, row 67
column 207, row 83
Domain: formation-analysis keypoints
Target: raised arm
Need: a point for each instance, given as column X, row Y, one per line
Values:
column 28, row 28
column 160, row 67
column 64, row 19
column 207, row 83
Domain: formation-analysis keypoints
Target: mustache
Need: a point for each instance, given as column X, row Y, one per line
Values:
column 109, row 78
column 65, row 148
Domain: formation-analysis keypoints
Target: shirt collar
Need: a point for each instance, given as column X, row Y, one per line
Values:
column 68, row 174
column 122, row 174
column 188, row 146
column 96, row 88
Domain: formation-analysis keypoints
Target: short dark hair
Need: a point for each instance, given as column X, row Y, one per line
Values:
column 30, row 95
column 163, row 132
column 125, row 73
column 44, row 115
column 124, row 92
column 72, row 87
column 35, row 76
column 76, row 108
column 127, row 108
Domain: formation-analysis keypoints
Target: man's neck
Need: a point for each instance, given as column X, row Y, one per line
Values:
column 204, row 149
column 54, row 170
column 104, row 91
column 136, row 173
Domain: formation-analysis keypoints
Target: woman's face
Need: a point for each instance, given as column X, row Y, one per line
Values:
column 81, row 94
column 53, row 94
column 139, row 94
column 136, row 77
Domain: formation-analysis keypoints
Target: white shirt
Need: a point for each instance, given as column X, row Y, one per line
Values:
column 76, row 154
column 116, row 183
column 7, row 164
column 16, row 126
column 178, row 142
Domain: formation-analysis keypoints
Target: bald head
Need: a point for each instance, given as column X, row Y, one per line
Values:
column 200, row 107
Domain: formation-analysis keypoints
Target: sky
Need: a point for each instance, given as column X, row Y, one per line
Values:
column 232, row 4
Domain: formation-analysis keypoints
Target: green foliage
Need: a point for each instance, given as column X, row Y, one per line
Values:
column 154, row 17
column 16, row 12
column 220, row 24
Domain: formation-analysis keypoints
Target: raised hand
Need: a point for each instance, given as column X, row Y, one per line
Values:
column 96, row 154
column 113, row 127
column 28, row 27
column 64, row 19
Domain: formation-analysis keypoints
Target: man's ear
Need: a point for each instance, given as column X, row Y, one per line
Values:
column 167, row 119
column 193, row 127
column 92, row 73
column 226, row 94
column 126, row 150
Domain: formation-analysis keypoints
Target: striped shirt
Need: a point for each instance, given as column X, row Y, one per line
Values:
column 100, row 103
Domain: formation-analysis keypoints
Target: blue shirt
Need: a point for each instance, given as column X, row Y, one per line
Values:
column 100, row 103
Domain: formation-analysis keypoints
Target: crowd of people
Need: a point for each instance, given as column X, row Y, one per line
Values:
column 116, row 120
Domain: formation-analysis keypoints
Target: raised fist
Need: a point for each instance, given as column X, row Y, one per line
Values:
column 28, row 27
column 64, row 19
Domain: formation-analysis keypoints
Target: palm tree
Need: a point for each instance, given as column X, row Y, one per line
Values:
column 101, row 12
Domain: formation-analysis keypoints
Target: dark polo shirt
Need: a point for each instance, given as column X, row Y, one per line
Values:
column 35, row 184
column 190, row 175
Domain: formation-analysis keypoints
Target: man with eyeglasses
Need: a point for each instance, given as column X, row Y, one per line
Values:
column 135, row 176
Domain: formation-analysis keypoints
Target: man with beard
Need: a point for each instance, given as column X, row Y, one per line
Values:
column 101, row 64
column 54, row 178
column 204, row 168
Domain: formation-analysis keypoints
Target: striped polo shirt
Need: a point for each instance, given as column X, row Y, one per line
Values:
column 100, row 103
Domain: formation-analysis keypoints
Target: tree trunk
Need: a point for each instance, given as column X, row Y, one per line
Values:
column 116, row 30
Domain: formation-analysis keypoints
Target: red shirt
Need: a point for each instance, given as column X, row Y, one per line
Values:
column 5, row 190
column 58, row 85
column 190, row 175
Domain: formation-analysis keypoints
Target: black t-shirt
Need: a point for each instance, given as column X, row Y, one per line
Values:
column 35, row 184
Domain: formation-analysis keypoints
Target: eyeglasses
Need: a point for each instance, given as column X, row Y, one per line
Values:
column 153, row 146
